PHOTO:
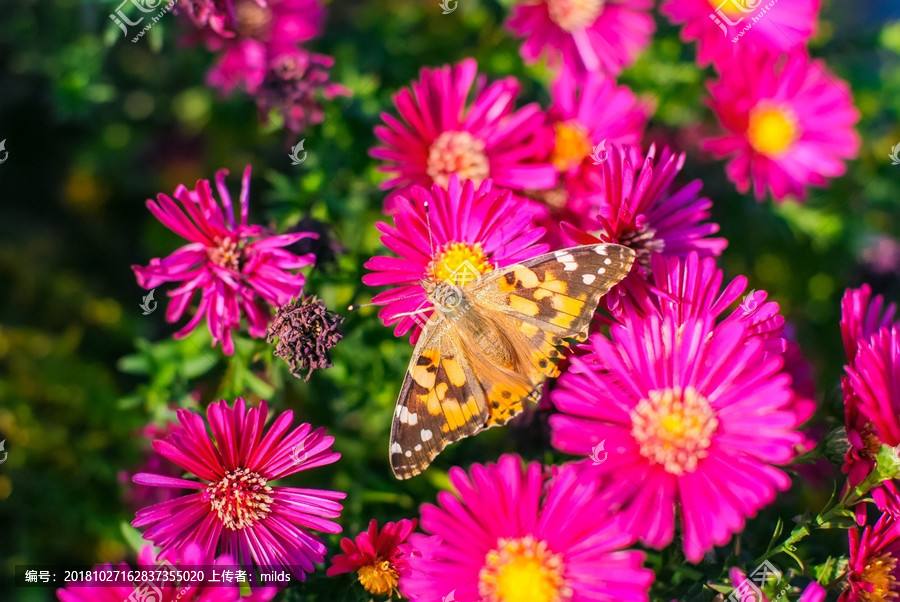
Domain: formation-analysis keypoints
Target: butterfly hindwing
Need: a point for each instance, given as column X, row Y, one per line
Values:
column 440, row 402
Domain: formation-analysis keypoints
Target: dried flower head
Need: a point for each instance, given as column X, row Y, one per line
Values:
column 305, row 332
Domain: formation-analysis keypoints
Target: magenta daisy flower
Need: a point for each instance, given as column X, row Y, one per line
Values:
column 789, row 121
column 509, row 533
column 472, row 232
column 234, row 507
column 874, row 377
column 640, row 209
column 104, row 591
column 696, row 412
column 375, row 556
column 722, row 28
column 862, row 317
column 238, row 269
column 583, row 35
column 585, row 116
column 874, row 568
column 453, row 123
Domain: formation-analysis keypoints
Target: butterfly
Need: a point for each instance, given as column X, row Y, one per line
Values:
column 491, row 343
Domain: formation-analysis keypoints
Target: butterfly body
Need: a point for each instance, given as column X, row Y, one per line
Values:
column 490, row 344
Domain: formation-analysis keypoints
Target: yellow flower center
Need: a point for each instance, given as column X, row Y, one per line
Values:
column 457, row 153
column 240, row 499
column 572, row 145
column 379, row 579
column 523, row 570
column 879, row 573
column 730, row 8
column 673, row 428
column 227, row 253
column 772, row 129
column 572, row 15
column 459, row 263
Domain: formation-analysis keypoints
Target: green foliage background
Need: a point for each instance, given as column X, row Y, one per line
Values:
column 95, row 124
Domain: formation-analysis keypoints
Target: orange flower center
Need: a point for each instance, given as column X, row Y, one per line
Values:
column 240, row 499
column 523, row 570
column 879, row 575
column 457, row 153
column 673, row 428
column 379, row 578
column 459, row 263
column 772, row 129
column 227, row 253
column 572, row 15
column 572, row 145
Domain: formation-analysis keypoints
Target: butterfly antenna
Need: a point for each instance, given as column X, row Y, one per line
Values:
column 428, row 225
column 358, row 306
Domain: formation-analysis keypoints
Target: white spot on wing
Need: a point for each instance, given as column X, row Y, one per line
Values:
column 395, row 448
column 426, row 435
column 588, row 278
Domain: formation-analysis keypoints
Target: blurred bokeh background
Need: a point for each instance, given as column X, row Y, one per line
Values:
column 95, row 124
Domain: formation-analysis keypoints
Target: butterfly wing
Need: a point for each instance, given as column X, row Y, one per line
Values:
column 441, row 400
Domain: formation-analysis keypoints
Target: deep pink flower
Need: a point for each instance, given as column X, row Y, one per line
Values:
column 583, row 35
column 473, row 231
column 238, row 268
column 789, row 124
column 233, row 508
column 451, row 122
column 874, row 568
column 640, row 209
column 170, row 592
column 511, row 534
column 725, row 30
column 874, row 377
column 375, row 556
column 586, row 116
column 696, row 412
column 748, row 590
column 862, row 315
column 277, row 24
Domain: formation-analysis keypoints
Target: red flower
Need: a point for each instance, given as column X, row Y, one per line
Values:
column 376, row 557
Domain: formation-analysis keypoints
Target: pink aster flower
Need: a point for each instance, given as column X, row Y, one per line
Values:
column 789, row 124
column 375, row 556
column 451, row 122
column 586, row 116
column 696, row 412
column 874, row 568
column 747, row 589
column 165, row 591
column 640, row 207
column 509, row 533
column 236, row 267
column 583, row 35
column 726, row 29
column 874, row 377
column 473, row 230
column 862, row 317
column 232, row 508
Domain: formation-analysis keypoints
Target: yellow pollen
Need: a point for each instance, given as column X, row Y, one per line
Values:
column 252, row 19
column 572, row 145
column 673, row 428
column 379, row 579
column 240, row 499
column 227, row 253
column 572, row 15
column 772, row 130
column 459, row 263
column 880, row 574
column 523, row 570
column 457, row 153
column 730, row 8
